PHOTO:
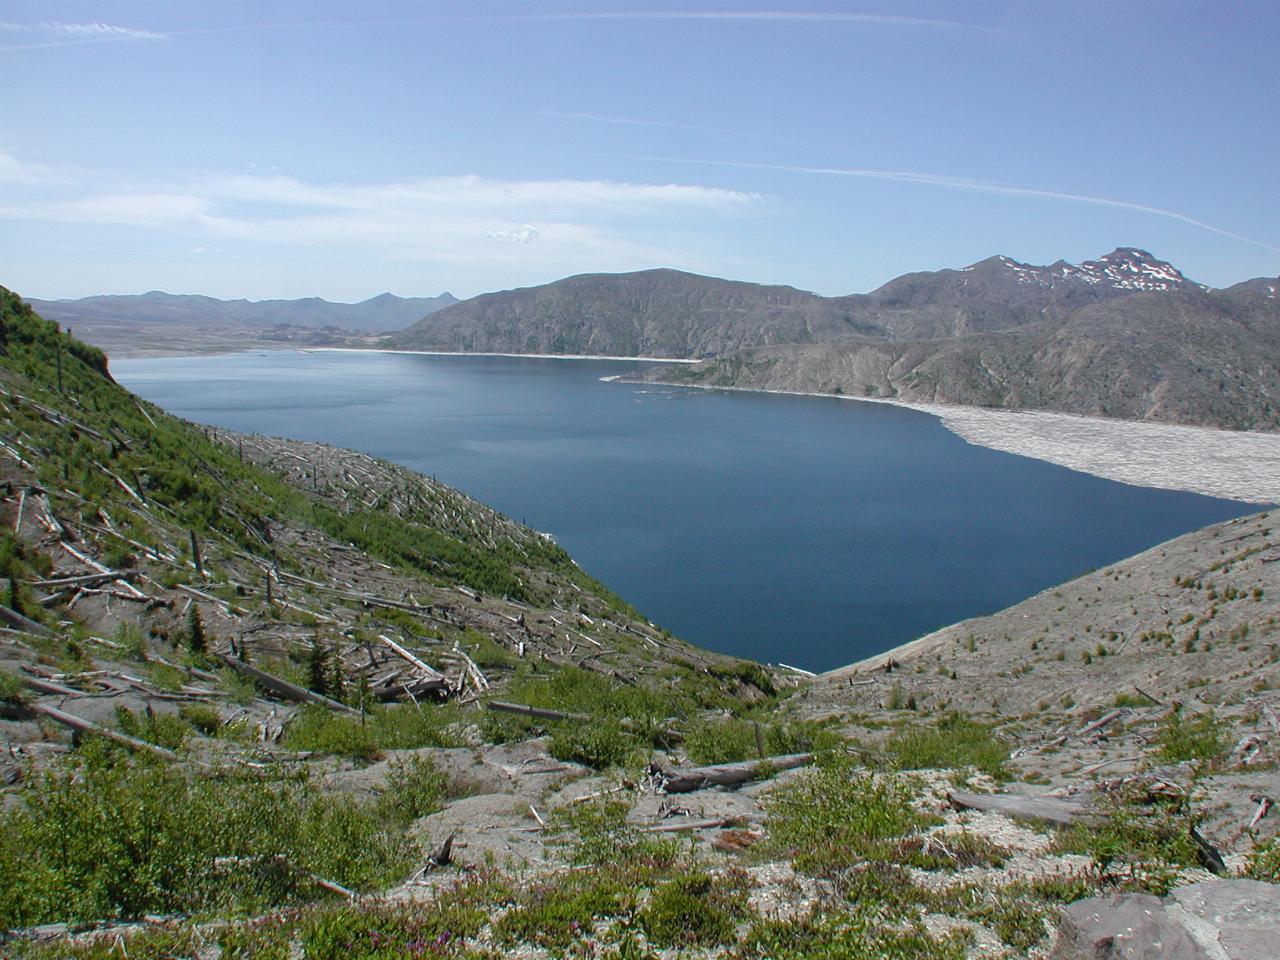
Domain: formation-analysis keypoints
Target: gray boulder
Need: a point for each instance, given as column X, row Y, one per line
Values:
column 1213, row 920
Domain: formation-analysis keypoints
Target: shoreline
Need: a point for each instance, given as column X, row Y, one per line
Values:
column 1229, row 464
column 531, row 356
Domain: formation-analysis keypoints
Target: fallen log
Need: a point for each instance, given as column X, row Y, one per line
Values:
column 1060, row 811
column 16, row 620
column 48, row 686
column 283, row 688
column 81, row 725
column 503, row 707
column 712, row 824
column 428, row 672
column 727, row 774
column 1101, row 723
column 88, row 580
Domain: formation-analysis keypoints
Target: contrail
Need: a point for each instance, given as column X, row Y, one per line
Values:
column 975, row 186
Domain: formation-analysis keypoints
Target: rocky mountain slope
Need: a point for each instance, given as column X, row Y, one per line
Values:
column 377, row 314
column 657, row 313
column 163, row 323
column 1182, row 355
column 268, row 698
column 1125, row 336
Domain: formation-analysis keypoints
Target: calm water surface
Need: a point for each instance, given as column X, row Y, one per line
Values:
column 806, row 530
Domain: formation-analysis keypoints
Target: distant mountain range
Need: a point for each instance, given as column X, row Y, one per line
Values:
column 1126, row 336
column 382, row 313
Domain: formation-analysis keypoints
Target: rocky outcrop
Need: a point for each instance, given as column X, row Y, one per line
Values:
column 1213, row 920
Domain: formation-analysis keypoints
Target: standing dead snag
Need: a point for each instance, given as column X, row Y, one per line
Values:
column 195, row 553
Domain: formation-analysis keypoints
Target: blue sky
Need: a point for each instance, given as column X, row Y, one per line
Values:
column 277, row 149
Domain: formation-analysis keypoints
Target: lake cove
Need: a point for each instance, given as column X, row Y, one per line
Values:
column 805, row 530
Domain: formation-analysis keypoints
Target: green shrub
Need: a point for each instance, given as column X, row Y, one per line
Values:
column 1203, row 739
column 858, row 934
column 98, row 836
column 12, row 689
column 204, row 718
column 600, row 835
column 1263, row 862
column 954, row 742
column 1135, row 843
column 414, row 788
column 835, row 816
column 600, row 744
column 693, row 909
column 389, row 931
column 320, row 729
column 162, row 729
column 730, row 739
column 555, row 913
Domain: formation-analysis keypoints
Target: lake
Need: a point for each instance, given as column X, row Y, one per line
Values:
column 811, row 531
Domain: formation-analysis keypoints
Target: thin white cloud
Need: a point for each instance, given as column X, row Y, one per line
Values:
column 13, row 170
column 50, row 34
column 463, row 220
column 975, row 186
column 526, row 234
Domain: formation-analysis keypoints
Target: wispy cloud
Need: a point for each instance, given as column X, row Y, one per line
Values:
column 974, row 186
column 526, row 234
column 49, row 34
column 15, row 171
column 456, row 219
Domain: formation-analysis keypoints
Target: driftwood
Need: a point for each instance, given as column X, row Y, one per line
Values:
column 503, row 707
column 1060, row 811
column 727, row 774
column 283, row 688
column 85, row 726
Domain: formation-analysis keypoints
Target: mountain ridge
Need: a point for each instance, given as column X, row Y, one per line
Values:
column 383, row 312
column 1127, row 335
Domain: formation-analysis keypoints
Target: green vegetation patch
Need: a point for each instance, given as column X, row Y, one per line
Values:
column 1138, row 842
column 855, row 934
column 695, row 909
column 396, row 727
column 99, row 836
column 1202, row 739
column 836, row 816
column 955, row 742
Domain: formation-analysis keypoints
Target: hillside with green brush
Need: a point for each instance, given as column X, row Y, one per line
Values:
column 265, row 698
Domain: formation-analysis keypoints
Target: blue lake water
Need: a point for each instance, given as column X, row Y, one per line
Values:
column 807, row 530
